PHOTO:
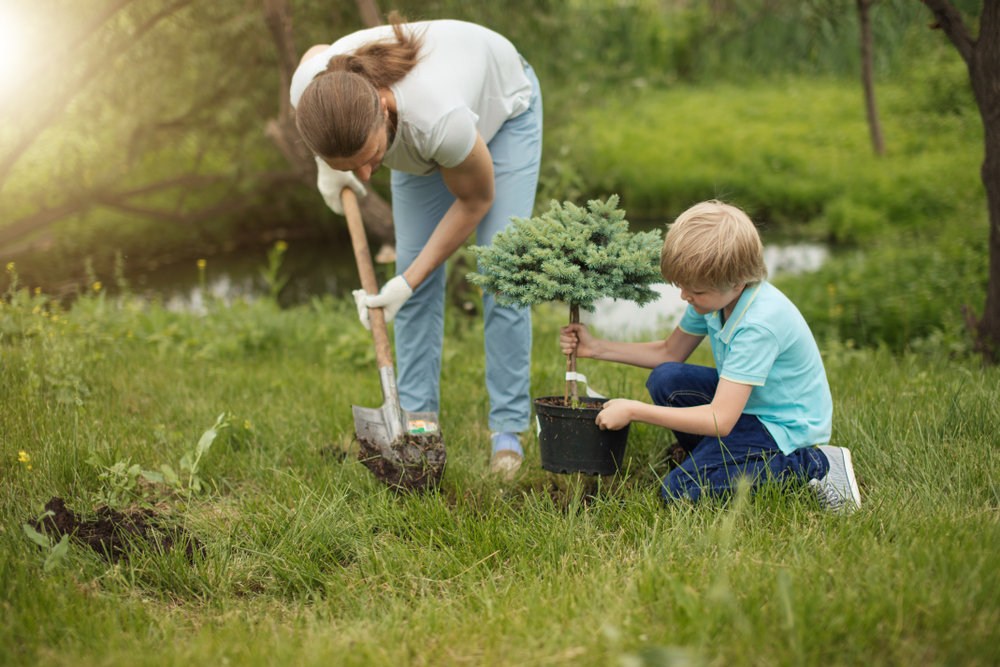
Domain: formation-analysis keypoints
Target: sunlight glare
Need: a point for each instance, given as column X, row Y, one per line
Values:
column 13, row 46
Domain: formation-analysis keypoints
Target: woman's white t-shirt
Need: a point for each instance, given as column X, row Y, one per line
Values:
column 468, row 78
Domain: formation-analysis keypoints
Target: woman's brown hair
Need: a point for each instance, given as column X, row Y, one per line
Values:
column 340, row 108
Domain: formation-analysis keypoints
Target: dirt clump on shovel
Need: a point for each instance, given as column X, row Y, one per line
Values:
column 417, row 462
column 114, row 535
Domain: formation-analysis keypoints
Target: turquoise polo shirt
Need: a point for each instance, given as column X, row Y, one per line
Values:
column 766, row 343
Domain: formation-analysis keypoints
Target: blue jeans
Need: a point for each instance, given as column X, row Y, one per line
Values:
column 714, row 464
column 418, row 204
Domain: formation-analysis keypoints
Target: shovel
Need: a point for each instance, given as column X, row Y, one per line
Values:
column 403, row 449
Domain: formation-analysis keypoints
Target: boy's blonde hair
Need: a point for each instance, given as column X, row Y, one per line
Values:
column 713, row 246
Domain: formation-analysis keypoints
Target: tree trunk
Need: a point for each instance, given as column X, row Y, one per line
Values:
column 370, row 13
column 982, row 57
column 571, row 387
column 376, row 212
column 868, row 77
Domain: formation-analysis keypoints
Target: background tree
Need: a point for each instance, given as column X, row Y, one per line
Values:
column 868, row 75
column 573, row 255
column 282, row 131
column 982, row 58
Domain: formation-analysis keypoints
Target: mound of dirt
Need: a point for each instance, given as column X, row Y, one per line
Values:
column 415, row 463
column 114, row 535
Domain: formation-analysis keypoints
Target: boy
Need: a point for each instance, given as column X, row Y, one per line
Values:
column 765, row 411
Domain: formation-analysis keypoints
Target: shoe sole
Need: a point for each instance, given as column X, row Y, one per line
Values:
column 852, row 481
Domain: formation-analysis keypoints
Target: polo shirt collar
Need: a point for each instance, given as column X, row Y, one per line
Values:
column 726, row 334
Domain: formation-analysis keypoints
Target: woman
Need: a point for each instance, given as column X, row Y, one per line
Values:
column 456, row 113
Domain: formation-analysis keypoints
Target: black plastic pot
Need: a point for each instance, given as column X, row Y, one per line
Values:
column 570, row 441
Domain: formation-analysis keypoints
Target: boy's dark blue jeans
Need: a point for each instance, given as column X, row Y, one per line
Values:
column 714, row 465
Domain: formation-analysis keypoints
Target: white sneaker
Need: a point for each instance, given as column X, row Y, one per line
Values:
column 838, row 491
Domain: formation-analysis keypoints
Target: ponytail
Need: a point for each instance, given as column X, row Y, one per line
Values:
column 340, row 108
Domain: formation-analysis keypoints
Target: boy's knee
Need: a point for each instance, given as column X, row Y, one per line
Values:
column 662, row 381
column 677, row 486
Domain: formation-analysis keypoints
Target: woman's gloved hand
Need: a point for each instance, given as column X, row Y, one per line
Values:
column 392, row 297
column 332, row 182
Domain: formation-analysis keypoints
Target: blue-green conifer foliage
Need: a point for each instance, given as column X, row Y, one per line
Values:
column 573, row 255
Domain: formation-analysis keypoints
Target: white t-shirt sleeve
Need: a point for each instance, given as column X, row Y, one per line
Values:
column 451, row 139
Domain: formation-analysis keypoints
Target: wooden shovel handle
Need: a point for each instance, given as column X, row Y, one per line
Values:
column 363, row 256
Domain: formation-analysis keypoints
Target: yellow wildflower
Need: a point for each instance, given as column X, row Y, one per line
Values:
column 246, row 423
column 10, row 267
column 38, row 290
column 36, row 310
column 281, row 245
column 128, row 335
column 23, row 457
column 831, row 289
column 201, row 263
column 97, row 286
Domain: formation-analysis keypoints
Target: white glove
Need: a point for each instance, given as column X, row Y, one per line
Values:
column 332, row 182
column 392, row 297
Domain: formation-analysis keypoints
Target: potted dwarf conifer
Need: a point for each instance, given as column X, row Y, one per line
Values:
column 577, row 256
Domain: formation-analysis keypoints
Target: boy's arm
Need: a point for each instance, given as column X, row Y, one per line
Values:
column 716, row 418
column 677, row 347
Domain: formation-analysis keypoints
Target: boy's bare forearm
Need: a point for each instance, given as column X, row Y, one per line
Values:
column 677, row 347
column 697, row 420
column 715, row 418
column 643, row 355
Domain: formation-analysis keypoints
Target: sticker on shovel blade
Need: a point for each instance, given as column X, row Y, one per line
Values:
column 421, row 426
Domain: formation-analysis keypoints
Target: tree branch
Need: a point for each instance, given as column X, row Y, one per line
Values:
column 950, row 20
column 370, row 14
column 119, row 200
column 57, row 106
column 35, row 70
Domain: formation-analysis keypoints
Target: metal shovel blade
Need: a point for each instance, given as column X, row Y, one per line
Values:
column 412, row 459
column 402, row 449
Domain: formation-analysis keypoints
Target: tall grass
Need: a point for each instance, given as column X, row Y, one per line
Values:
column 310, row 561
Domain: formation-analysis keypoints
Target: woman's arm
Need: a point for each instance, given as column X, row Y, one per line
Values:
column 677, row 347
column 472, row 184
column 716, row 418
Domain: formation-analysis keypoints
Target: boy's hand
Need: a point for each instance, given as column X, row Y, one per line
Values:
column 579, row 337
column 617, row 414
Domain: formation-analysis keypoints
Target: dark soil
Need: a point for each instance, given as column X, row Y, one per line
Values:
column 414, row 463
column 559, row 402
column 114, row 535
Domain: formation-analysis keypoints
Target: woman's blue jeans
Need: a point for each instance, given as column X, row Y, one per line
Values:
column 715, row 464
column 418, row 204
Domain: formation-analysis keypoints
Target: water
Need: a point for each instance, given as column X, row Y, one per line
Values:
column 313, row 268
column 317, row 268
column 624, row 320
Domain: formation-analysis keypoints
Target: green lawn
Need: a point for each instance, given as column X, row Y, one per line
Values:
column 309, row 561
column 789, row 151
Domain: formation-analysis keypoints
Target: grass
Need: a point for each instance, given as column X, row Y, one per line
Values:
column 310, row 561
column 792, row 151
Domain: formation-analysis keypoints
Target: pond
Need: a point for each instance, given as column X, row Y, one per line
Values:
column 624, row 320
column 315, row 268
